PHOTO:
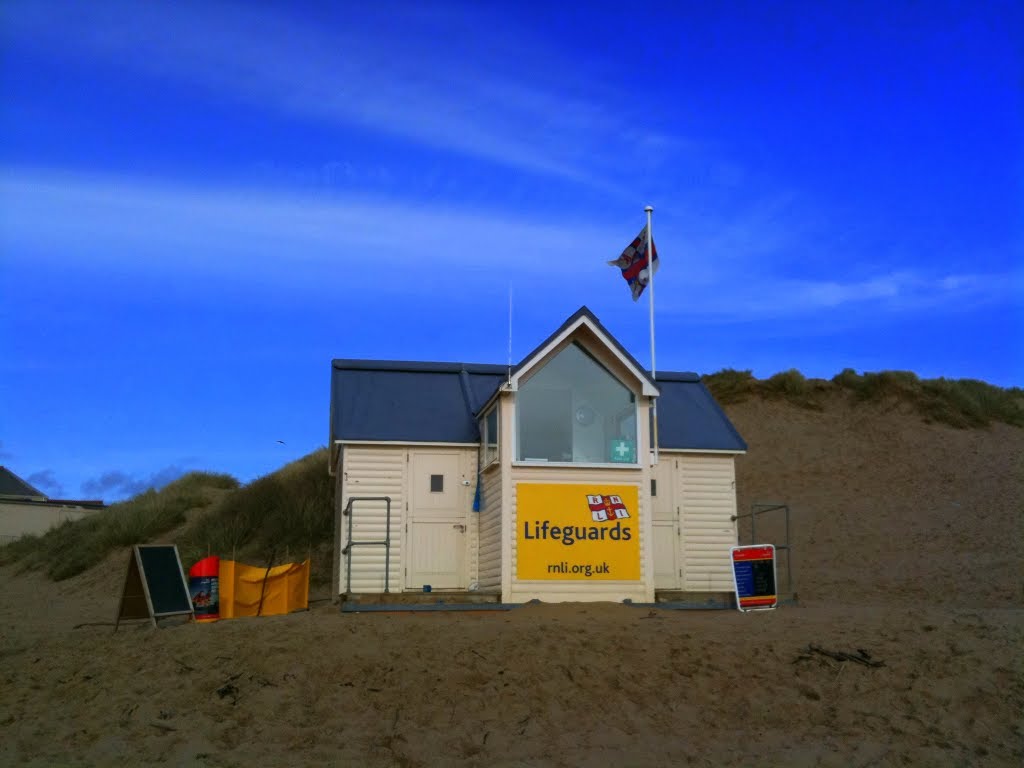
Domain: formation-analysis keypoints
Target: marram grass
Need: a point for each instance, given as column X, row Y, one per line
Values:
column 961, row 403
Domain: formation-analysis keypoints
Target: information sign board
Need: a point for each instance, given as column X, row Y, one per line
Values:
column 753, row 573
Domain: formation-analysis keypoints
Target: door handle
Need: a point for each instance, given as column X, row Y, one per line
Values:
column 459, row 527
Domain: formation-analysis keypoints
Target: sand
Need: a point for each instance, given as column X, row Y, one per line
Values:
column 907, row 545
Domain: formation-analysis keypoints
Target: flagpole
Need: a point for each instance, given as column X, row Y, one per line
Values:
column 650, row 283
column 650, row 286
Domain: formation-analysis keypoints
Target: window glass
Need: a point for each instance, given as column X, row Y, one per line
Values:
column 574, row 410
column 489, row 437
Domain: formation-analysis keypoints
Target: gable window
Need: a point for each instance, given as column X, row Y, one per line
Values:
column 489, row 437
column 575, row 410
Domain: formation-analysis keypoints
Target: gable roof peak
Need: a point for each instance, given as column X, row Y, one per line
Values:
column 574, row 321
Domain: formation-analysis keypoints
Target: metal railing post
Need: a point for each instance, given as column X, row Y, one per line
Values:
column 387, row 546
column 760, row 508
column 789, row 554
column 386, row 543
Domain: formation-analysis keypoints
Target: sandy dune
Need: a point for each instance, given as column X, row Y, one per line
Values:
column 907, row 545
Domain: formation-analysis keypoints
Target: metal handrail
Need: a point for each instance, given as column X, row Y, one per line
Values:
column 760, row 508
column 386, row 543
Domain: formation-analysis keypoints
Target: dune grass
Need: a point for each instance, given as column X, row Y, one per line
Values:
column 284, row 516
column 961, row 403
column 76, row 546
column 731, row 386
column 281, row 517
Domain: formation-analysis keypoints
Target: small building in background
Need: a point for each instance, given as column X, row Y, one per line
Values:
column 25, row 509
column 536, row 481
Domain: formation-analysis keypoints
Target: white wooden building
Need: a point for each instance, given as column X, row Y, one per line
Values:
column 537, row 481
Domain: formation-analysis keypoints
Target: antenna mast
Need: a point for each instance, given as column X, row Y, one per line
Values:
column 510, row 334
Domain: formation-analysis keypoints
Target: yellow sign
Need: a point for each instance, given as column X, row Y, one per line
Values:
column 577, row 532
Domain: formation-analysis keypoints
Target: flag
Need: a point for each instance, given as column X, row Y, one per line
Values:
column 633, row 263
column 604, row 508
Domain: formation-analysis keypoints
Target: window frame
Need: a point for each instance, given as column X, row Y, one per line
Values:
column 482, row 456
column 517, row 425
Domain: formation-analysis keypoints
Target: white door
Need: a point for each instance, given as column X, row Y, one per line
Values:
column 438, row 518
column 667, row 529
column 706, row 491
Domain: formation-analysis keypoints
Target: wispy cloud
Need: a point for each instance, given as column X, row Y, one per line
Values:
column 737, row 271
column 117, row 485
column 539, row 112
column 138, row 225
column 46, row 480
column 768, row 297
column 902, row 291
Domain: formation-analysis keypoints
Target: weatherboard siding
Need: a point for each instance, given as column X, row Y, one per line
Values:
column 339, row 492
column 489, row 526
column 373, row 471
column 469, row 464
column 703, row 489
column 706, row 493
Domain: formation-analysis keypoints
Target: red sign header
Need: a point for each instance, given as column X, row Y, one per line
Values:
column 752, row 553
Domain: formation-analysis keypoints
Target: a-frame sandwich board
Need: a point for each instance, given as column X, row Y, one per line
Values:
column 154, row 585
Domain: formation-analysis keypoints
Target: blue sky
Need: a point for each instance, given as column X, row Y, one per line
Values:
column 202, row 204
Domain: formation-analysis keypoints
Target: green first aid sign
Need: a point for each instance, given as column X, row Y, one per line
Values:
column 623, row 451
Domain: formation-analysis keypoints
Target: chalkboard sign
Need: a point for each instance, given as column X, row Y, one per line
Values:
column 753, row 572
column 154, row 585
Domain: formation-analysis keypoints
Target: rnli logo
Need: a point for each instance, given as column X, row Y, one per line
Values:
column 606, row 508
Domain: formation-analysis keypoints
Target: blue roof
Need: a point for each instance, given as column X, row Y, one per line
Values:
column 419, row 402
column 410, row 402
column 689, row 418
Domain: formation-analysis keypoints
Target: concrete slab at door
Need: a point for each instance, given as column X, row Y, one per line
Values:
column 438, row 511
